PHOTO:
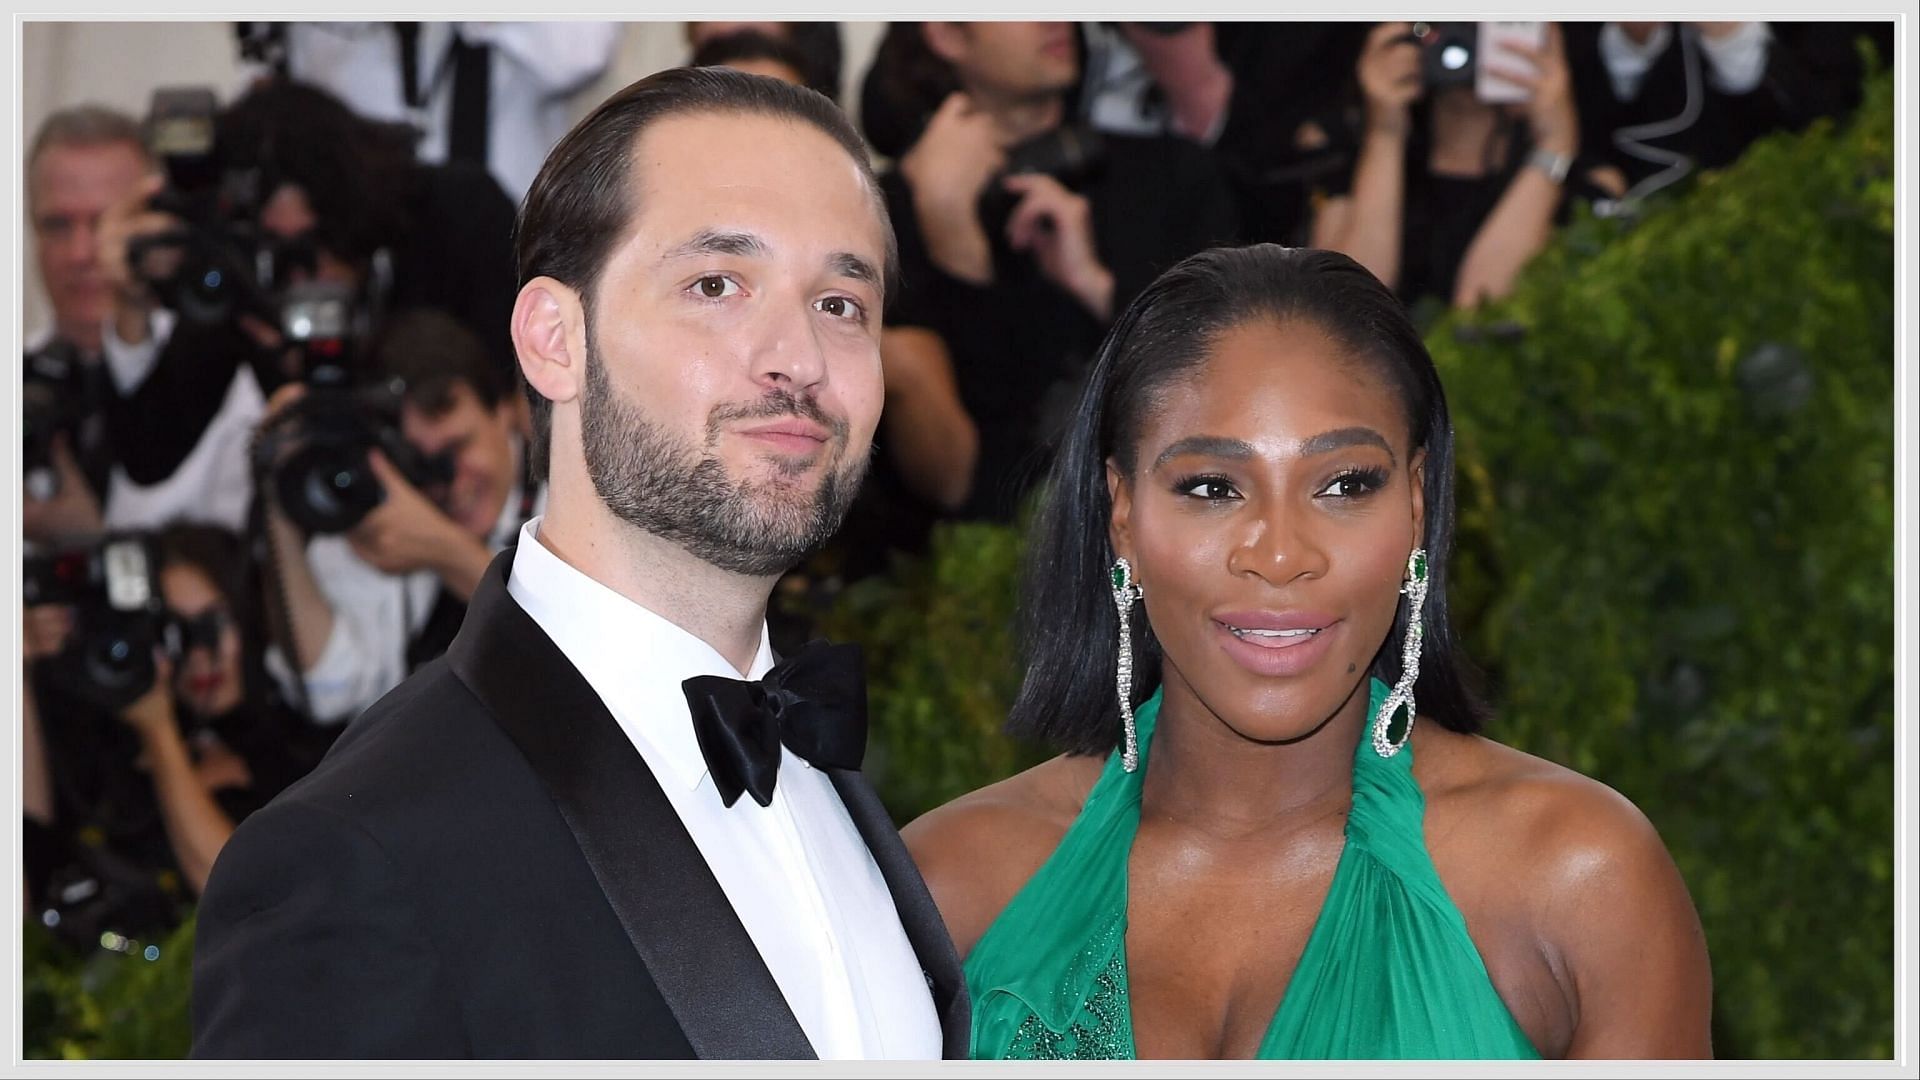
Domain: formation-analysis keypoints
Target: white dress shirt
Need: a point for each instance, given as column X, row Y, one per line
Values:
column 214, row 483
column 536, row 68
column 375, row 615
column 796, row 871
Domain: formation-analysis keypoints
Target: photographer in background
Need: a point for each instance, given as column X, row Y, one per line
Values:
column 1022, row 233
column 1450, row 195
column 134, row 787
column 83, row 161
column 1659, row 100
column 496, row 94
column 336, row 200
column 366, row 606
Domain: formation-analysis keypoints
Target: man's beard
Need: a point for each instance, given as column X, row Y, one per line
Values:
column 683, row 494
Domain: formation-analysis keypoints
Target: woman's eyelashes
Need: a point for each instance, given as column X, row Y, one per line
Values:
column 1206, row 487
column 1355, row 483
column 1348, row 484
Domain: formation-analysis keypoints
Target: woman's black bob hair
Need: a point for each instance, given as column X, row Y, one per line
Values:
column 1068, row 627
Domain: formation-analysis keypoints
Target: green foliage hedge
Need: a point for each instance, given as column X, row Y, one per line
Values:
column 1677, row 520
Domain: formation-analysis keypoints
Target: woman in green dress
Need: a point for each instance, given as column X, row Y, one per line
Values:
column 1274, row 832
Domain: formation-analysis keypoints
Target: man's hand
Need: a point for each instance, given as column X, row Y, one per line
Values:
column 73, row 510
column 1056, row 226
column 121, row 224
column 946, row 170
column 956, row 156
column 406, row 532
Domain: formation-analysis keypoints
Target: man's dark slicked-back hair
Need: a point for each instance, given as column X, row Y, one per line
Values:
column 582, row 201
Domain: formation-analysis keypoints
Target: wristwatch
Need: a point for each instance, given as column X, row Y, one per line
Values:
column 1556, row 166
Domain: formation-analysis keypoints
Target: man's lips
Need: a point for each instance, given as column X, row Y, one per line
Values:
column 794, row 436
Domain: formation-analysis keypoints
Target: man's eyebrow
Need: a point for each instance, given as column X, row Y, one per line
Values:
column 719, row 242
column 747, row 245
column 847, row 264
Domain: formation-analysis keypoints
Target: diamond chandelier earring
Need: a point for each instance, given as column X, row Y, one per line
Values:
column 1399, row 703
column 1125, row 592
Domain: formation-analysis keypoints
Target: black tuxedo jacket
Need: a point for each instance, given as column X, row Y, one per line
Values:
column 484, row 867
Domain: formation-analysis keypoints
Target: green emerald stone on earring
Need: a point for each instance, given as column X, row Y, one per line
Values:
column 1119, row 574
column 1420, row 564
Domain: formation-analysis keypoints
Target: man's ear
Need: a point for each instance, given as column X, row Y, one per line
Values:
column 945, row 40
column 549, row 337
column 1119, row 530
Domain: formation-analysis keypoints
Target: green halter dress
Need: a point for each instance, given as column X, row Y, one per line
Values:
column 1388, row 970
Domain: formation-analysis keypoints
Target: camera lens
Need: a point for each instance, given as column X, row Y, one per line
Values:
column 327, row 487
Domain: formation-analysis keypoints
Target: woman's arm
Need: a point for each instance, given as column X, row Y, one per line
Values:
column 1618, row 915
column 1366, row 223
column 196, row 826
column 1522, row 221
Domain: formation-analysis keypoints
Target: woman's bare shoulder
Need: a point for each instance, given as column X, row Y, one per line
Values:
column 1545, row 813
column 1585, row 871
column 978, row 850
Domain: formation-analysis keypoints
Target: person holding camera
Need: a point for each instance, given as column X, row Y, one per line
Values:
column 138, row 773
column 84, row 160
column 1022, row 234
column 1451, row 195
column 365, row 606
column 332, row 201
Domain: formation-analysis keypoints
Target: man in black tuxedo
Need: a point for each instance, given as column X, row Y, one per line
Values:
column 538, row 846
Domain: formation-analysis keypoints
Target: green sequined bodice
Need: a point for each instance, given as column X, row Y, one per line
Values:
column 1388, row 971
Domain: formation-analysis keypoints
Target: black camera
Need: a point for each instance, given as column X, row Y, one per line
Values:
column 1070, row 153
column 1449, row 52
column 216, row 263
column 119, row 616
column 51, row 402
column 315, row 453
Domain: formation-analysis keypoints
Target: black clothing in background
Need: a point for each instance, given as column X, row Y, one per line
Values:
column 1021, row 345
column 1813, row 70
column 457, row 257
column 1287, row 127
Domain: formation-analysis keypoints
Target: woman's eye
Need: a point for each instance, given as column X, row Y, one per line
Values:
column 715, row 287
column 1209, row 488
column 842, row 307
column 1352, row 485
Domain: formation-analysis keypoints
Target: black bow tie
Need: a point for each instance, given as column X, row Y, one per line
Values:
column 814, row 701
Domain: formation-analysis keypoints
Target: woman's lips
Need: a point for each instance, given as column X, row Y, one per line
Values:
column 1275, row 651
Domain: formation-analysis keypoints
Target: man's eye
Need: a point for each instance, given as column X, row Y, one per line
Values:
column 842, row 307
column 715, row 287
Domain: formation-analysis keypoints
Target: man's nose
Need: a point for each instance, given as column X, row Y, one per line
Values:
column 787, row 349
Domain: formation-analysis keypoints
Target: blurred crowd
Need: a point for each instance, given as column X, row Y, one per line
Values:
column 276, row 431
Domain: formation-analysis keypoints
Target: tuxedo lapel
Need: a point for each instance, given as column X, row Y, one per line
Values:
column 926, row 930
column 666, row 897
